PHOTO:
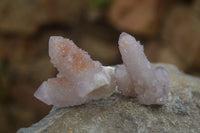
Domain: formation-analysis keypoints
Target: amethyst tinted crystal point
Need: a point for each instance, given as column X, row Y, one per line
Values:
column 152, row 86
column 123, row 81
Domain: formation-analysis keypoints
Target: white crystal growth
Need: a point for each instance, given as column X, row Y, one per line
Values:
column 79, row 80
column 124, row 81
column 138, row 77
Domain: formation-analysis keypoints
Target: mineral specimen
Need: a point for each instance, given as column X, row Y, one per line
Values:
column 79, row 80
column 138, row 77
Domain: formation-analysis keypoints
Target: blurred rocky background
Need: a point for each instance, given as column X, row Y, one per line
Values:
column 169, row 30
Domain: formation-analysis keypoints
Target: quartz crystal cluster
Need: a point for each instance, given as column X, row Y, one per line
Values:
column 137, row 77
column 80, row 79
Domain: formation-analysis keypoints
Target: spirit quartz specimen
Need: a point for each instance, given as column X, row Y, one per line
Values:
column 80, row 79
column 137, row 77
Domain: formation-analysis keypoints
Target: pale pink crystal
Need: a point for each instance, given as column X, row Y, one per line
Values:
column 123, row 81
column 79, row 79
column 152, row 86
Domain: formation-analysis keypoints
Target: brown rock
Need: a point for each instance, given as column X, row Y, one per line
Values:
column 138, row 16
column 156, row 52
column 4, row 126
column 124, row 114
column 25, row 16
column 181, row 32
column 196, row 5
column 100, row 49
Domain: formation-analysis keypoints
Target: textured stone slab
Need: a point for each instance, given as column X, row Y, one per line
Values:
column 120, row 114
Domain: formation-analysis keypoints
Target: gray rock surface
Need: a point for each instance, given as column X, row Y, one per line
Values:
column 120, row 114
